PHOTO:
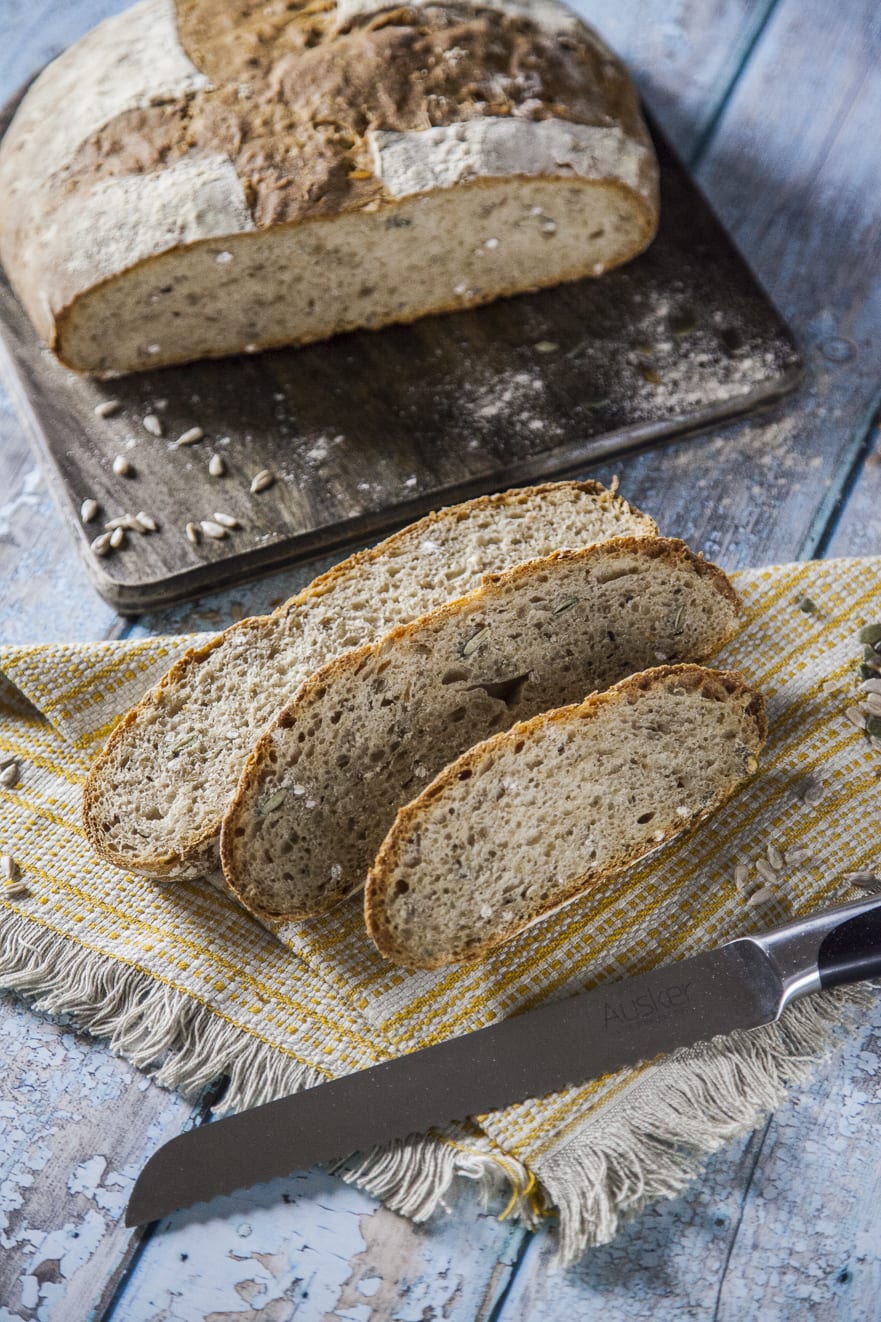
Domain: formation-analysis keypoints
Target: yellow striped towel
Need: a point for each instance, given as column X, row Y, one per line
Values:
column 189, row 988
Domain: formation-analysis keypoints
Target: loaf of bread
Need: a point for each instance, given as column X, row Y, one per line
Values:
column 156, row 795
column 206, row 177
column 369, row 730
column 531, row 818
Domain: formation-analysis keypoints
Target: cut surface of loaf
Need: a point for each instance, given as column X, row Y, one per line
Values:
column 370, row 729
column 156, row 795
column 214, row 176
column 528, row 820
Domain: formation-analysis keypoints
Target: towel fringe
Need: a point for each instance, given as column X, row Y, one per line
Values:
column 179, row 1043
column 648, row 1143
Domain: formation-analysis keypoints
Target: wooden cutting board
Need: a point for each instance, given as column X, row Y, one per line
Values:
column 369, row 430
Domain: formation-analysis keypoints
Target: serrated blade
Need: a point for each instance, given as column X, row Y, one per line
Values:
column 529, row 1055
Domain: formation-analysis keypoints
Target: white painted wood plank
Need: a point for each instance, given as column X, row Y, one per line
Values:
column 684, row 54
column 314, row 1248
column 76, row 1125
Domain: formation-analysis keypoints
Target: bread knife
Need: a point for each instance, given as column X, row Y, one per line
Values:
column 737, row 986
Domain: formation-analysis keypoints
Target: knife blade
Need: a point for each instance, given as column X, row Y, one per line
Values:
column 739, row 985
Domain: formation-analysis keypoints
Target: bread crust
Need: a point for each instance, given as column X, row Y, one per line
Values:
column 716, row 684
column 215, row 121
column 672, row 551
column 199, row 852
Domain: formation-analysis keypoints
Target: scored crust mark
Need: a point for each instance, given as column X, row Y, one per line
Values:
column 155, row 796
column 556, row 805
column 294, row 99
column 368, row 730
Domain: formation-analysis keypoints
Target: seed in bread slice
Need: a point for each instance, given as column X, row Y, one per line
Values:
column 368, row 731
column 533, row 817
column 156, row 795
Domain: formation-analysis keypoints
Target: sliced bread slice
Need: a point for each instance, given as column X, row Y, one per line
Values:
column 528, row 820
column 156, row 795
column 370, row 729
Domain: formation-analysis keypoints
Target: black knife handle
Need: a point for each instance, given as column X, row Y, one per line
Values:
column 851, row 952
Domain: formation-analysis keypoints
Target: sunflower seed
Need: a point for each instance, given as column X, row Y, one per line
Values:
column 101, row 544
column 193, row 534
column 565, row 606
column 260, row 481
column 89, row 510
column 226, row 520
column 122, row 467
column 472, row 644
column 856, row 717
column 212, row 529
column 147, row 522
column 184, row 743
column 107, row 408
column 775, row 858
column 153, row 425
column 190, row 437
column 117, row 538
column 272, row 802
column 9, row 775
column 15, row 890
column 127, row 521
column 864, row 880
column 800, row 854
column 871, row 685
column 741, row 876
column 814, row 794
column 766, row 872
column 761, row 896
column 216, row 466
column 8, row 868
column 547, row 346
column 872, row 703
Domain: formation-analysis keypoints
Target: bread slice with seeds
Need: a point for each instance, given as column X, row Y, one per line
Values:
column 156, row 795
column 370, row 729
column 528, row 820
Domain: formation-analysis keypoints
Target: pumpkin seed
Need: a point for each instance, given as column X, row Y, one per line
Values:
column 870, row 634
column 873, row 726
column 547, row 346
column 566, row 606
column 806, row 605
column 9, row 776
column 867, row 671
column 814, row 794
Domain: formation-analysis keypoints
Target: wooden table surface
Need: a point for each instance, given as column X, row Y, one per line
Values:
column 776, row 104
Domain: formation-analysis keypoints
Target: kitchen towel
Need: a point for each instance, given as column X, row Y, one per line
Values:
column 189, row 988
